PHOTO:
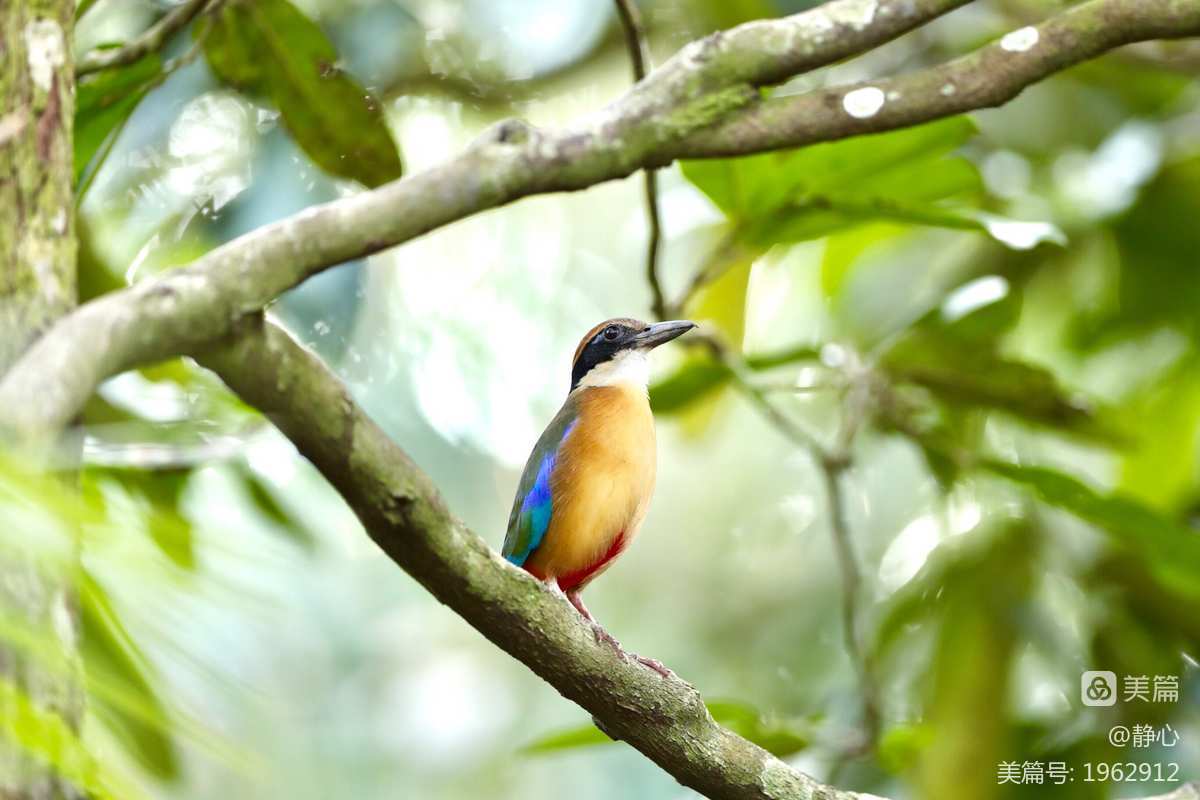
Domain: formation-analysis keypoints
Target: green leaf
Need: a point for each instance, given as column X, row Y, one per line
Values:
column 263, row 498
column 109, row 649
column 271, row 48
column 699, row 376
column 158, row 492
column 693, row 380
column 1155, row 286
column 754, row 186
column 105, row 100
column 978, row 634
column 1171, row 550
column 844, row 248
column 792, row 196
column 970, row 374
column 778, row 736
column 1160, row 467
column 571, row 738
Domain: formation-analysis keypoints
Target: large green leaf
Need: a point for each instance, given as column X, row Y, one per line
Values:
column 105, row 100
column 801, row 194
column 876, row 165
column 271, row 48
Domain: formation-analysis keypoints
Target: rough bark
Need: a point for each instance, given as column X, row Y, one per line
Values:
column 37, row 285
column 37, row 243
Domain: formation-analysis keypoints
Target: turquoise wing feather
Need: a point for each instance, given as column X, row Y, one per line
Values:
column 530, row 516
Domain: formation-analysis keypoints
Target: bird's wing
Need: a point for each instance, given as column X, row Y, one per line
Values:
column 530, row 516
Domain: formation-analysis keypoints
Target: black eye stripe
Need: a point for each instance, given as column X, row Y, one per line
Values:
column 606, row 341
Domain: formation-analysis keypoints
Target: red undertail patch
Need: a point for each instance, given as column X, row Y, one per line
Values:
column 574, row 579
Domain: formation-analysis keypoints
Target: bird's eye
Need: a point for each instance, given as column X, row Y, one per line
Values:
column 612, row 332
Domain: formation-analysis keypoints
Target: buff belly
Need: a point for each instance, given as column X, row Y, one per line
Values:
column 601, row 487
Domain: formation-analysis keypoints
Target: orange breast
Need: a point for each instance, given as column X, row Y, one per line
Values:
column 601, row 487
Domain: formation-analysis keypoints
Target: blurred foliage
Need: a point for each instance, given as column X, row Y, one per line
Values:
column 104, row 101
column 271, row 49
column 1001, row 307
column 779, row 737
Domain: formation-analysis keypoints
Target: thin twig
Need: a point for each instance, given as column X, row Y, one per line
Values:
column 639, row 56
column 832, row 462
column 151, row 40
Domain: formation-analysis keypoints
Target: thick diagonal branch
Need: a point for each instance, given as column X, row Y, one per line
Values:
column 703, row 102
column 404, row 514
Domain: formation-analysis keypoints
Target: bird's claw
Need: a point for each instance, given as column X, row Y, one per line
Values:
column 655, row 665
column 602, row 636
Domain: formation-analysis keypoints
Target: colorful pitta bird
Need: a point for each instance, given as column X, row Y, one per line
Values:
column 588, row 481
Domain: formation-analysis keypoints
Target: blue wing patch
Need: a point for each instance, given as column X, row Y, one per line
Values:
column 533, row 505
column 535, row 511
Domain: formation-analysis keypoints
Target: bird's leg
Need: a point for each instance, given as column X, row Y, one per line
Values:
column 597, row 629
column 604, row 636
column 577, row 601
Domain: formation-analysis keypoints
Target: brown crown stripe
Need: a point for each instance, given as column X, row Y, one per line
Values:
column 587, row 337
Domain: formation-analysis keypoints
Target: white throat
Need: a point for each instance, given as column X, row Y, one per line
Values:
column 630, row 367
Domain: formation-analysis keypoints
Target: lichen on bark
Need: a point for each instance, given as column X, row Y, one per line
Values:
column 37, row 243
column 37, row 285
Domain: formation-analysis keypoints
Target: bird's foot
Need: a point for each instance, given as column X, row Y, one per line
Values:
column 602, row 636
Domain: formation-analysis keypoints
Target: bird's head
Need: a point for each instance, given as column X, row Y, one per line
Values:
column 615, row 351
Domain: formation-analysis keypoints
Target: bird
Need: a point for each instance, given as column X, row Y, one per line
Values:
column 587, row 484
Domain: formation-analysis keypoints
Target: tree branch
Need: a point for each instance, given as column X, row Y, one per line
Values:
column 705, row 101
column 988, row 77
column 149, row 41
column 401, row 510
column 403, row 513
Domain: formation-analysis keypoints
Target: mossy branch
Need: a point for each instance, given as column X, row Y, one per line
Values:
column 402, row 511
column 705, row 101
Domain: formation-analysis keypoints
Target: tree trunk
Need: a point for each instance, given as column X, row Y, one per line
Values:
column 37, row 285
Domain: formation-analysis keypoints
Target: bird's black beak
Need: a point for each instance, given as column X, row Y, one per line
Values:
column 661, row 333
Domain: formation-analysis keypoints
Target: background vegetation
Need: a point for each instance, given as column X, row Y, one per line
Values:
column 937, row 457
